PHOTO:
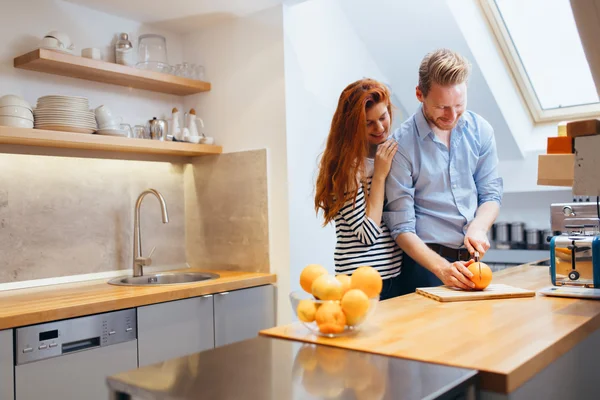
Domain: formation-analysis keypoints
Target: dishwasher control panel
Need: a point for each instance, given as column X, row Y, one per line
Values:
column 37, row 342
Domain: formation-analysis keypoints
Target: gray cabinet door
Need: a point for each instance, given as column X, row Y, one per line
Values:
column 7, row 389
column 175, row 329
column 240, row 314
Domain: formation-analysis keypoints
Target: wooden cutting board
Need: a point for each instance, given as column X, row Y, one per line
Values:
column 498, row 291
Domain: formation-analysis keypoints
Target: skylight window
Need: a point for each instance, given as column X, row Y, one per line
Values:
column 541, row 43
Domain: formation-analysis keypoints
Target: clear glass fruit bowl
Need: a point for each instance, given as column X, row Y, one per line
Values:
column 328, row 322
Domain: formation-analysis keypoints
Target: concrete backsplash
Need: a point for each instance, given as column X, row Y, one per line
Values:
column 62, row 216
column 226, row 211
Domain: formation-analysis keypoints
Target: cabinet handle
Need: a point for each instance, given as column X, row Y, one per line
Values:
column 223, row 294
column 206, row 296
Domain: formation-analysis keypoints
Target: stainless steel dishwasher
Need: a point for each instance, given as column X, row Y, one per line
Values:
column 70, row 359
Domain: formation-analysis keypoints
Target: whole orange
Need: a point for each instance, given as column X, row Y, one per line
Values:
column 368, row 280
column 326, row 287
column 309, row 274
column 306, row 310
column 346, row 281
column 486, row 275
column 330, row 318
column 355, row 305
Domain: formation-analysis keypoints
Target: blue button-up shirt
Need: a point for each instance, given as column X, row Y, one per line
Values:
column 434, row 191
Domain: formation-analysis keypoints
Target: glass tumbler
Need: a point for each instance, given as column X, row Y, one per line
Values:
column 140, row 132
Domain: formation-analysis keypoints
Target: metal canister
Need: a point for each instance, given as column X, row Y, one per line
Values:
column 502, row 235
column 517, row 235
column 157, row 129
column 124, row 52
column 532, row 238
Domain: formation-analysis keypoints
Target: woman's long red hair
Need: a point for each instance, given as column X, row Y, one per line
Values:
column 342, row 163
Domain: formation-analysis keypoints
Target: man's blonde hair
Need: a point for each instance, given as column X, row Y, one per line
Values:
column 444, row 67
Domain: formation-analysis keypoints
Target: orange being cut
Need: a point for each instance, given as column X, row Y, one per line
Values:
column 486, row 275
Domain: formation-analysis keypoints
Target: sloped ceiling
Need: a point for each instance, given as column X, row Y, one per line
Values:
column 179, row 16
column 400, row 33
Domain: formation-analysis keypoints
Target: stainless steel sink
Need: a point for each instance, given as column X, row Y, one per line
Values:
column 167, row 278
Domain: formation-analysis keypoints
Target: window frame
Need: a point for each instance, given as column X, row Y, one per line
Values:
column 520, row 77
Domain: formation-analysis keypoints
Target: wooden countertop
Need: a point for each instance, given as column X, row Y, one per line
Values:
column 50, row 303
column 507, row 340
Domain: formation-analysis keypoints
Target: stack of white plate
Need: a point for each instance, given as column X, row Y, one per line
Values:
column 65, row 113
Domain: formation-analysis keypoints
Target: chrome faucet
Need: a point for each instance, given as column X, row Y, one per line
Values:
column 140, row 262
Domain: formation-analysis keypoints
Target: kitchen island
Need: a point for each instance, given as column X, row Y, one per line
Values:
column 524, row 348
column 264, row 368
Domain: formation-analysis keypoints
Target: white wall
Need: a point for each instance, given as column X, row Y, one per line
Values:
column 24, row 23
column 245, row 110
column 323, row 54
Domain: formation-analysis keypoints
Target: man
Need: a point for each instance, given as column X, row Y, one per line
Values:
column 443, row 191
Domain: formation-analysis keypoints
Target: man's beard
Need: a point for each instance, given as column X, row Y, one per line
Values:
column 437, row 125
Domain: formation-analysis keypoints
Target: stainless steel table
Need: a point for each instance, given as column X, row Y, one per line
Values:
column 265, row 368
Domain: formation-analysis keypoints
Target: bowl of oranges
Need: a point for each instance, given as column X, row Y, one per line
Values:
column 337, row 305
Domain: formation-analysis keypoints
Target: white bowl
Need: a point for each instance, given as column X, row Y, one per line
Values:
column 62, row 37
column 50, row 43
column 16, row 111
column 15, row 122
column 14, row 100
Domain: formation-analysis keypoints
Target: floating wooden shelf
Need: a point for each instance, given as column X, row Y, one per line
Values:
column 58, row 139
column 54, row 62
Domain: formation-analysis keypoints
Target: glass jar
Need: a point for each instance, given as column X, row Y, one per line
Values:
column 152, row 53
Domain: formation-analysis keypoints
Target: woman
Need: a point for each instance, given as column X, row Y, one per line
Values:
column 357, row 159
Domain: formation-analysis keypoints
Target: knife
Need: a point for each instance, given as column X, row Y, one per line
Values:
column 477, row 261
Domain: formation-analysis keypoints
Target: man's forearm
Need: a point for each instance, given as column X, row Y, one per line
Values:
column 412, row 245
column 485, row 215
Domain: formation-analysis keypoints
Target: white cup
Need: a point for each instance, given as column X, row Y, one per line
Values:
column 92, row 52
column 104, row 116
column 61, row 42
column 49, row 42
column 64, row 41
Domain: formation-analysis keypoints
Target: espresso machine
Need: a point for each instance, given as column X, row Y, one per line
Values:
column 575, row 244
